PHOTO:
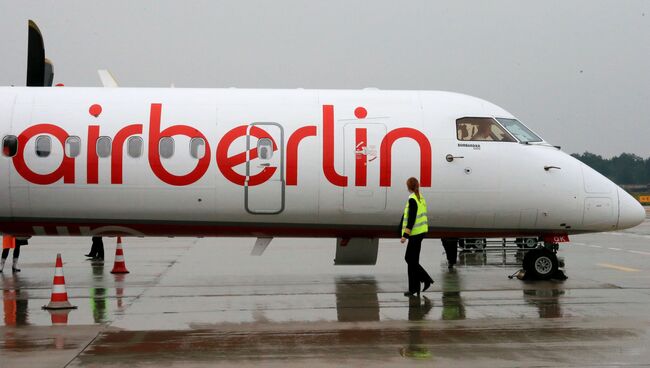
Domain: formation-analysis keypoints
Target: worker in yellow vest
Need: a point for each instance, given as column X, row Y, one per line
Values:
column 414, row 228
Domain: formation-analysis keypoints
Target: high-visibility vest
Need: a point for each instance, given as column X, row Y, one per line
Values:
column 8, row 242
column 421, row 225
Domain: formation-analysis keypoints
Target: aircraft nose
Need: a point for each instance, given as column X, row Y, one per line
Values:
column 630, row 211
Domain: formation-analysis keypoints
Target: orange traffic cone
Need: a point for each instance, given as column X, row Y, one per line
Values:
column 119, row 266
column 59, row 298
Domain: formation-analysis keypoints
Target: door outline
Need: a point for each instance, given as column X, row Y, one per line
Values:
column 248, row 166
column 381, row 123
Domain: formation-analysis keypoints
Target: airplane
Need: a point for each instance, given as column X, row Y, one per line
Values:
column 270, row 163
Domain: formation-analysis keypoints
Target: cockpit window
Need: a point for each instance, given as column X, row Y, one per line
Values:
column 519, row 130
column 481, row 129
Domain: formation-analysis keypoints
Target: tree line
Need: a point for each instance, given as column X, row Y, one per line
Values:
column 625, row 169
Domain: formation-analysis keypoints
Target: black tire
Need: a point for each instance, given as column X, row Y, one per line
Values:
column 472, row 243
column 540, row 264
column 480, row 244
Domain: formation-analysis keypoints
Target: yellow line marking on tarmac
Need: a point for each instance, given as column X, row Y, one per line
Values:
column 615, row 267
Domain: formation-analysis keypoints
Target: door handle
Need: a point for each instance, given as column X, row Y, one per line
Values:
column 266, row 164
column 451, row 157
column 547, row 168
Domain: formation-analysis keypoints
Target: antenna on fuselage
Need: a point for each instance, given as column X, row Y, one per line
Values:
column 40, row 71
column 107, row 78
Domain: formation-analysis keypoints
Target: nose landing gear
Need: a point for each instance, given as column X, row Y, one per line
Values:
column 537, row 255
column 542, row 263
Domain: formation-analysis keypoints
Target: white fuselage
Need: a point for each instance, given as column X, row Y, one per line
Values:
column 282, row 163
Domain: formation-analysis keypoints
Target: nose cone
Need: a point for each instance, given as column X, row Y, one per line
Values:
column 630, row 211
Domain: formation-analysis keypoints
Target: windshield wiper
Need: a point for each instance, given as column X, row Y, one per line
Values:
column 541, row 144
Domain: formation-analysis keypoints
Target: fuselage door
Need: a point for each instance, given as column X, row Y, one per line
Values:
column 9, row 149
column 361, row 164
column 264, row 186
column 469, row 174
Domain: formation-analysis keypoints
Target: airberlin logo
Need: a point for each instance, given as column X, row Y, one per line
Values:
column 225, row 162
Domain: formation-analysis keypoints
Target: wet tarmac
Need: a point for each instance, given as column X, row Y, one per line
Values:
column 207, row 302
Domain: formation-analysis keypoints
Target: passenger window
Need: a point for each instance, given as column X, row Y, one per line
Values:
column 265, row 148
column 72, row 146
column 166, row 147
column 43, row 146
column 197, row 148
column 10, row 146
column 481, row 129
column 104, row 147
column 134, row 147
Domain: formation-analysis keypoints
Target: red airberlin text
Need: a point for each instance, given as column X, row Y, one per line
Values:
column 225, row 162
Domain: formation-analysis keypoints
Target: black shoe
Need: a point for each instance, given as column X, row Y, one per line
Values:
column 410, row 294
column 426, row 285
column 14, row 270
column 89, row 255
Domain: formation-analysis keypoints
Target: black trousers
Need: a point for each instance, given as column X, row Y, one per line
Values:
column 416, row 272
column 5, row 252
column 451, row 249
column 97, row 249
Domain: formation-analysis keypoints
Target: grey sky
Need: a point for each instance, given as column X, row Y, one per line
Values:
column 577, row 72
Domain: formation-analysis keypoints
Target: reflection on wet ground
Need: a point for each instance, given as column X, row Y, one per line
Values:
column 371, row 342
column 357, row 299
column 452, row 303
column 14, row 301
column 98, row 294
column 546, row 300
column 205, row 302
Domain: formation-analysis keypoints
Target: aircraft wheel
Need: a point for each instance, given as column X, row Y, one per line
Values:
column 530, row 243
column 527, row 243
column 540, row 264
column 480, row 244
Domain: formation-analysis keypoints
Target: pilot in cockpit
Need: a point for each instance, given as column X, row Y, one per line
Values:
column 462, row 133
column 483, row 133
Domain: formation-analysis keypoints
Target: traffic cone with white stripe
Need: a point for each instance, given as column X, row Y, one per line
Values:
column 59, row 298
column 119, row 266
